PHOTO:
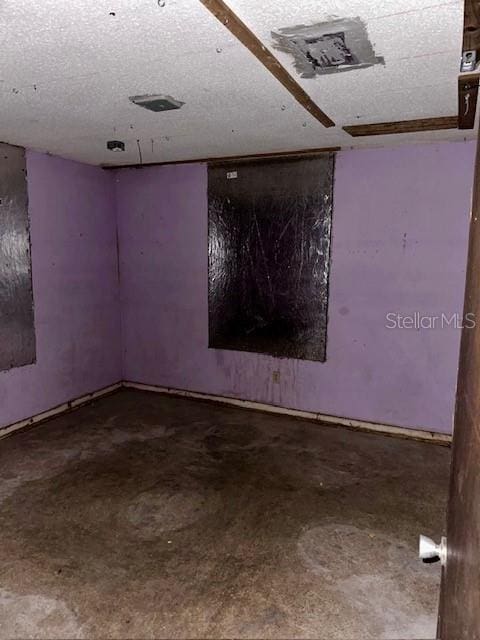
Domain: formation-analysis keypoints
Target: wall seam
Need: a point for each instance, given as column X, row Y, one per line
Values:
column 119, row 273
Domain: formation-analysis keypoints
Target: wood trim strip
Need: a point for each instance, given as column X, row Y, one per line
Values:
column 468, row 82
column 402, row 126
column 471, row 25
column 467, row 100
column 459, row 613
column 239, row 29
column 253, row 156
column 66, row 407
column 349, row 423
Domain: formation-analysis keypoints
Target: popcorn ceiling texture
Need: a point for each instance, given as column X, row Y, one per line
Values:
column 419, row 40
column 67, row 71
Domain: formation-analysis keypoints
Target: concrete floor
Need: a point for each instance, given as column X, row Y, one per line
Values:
column 146, row 516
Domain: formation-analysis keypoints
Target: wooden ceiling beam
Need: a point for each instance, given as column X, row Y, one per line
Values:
column 402, row 126
column 471, row 26
column 298, row 153
column 239, row 29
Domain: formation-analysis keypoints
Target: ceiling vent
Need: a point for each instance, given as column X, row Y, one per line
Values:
column 115, row 145
column 158, row 102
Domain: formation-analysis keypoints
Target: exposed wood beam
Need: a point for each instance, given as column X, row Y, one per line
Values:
column 240, row 30
column 253, row 156
column 467, row 100
column 471, row 26
column 402, row 126
column 468, row 84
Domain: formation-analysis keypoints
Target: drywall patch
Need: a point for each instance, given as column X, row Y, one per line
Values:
column 327, row 47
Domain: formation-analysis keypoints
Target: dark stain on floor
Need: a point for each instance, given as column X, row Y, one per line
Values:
column 148, row 516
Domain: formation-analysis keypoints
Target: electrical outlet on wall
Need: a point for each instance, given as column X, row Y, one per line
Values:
column 276, row 377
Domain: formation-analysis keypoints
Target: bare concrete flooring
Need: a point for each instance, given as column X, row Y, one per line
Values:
column 146, row 516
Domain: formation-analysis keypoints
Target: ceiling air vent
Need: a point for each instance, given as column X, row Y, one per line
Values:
column 115, row 145
column 158, row 102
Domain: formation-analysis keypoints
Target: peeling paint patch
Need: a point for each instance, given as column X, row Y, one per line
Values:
column 327, row 47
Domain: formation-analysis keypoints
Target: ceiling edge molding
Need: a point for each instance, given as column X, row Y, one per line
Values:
column 253, row 156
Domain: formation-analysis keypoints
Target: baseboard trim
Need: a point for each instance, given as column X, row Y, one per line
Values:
column 61, row 408
column 359, row 425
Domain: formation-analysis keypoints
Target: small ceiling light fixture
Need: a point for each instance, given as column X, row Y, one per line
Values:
column 159, row 102
column 115, row 145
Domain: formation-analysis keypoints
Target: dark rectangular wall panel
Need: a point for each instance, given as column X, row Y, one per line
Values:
column 269, row 255
column 17, row 331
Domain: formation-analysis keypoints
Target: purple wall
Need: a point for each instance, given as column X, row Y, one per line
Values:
column 399, row 245
column 75, row 288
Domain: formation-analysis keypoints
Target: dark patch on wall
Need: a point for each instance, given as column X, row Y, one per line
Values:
column 327, row 47
column 17, row 330
column 269, row 255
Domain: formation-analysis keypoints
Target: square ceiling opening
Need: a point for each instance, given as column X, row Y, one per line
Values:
column 327, row 47
column 326, row 51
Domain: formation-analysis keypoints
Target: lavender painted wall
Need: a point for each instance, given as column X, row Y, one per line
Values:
column 399, row 245
column 75, row 288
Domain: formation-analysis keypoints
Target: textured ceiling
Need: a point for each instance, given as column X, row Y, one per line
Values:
column 67, row 70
